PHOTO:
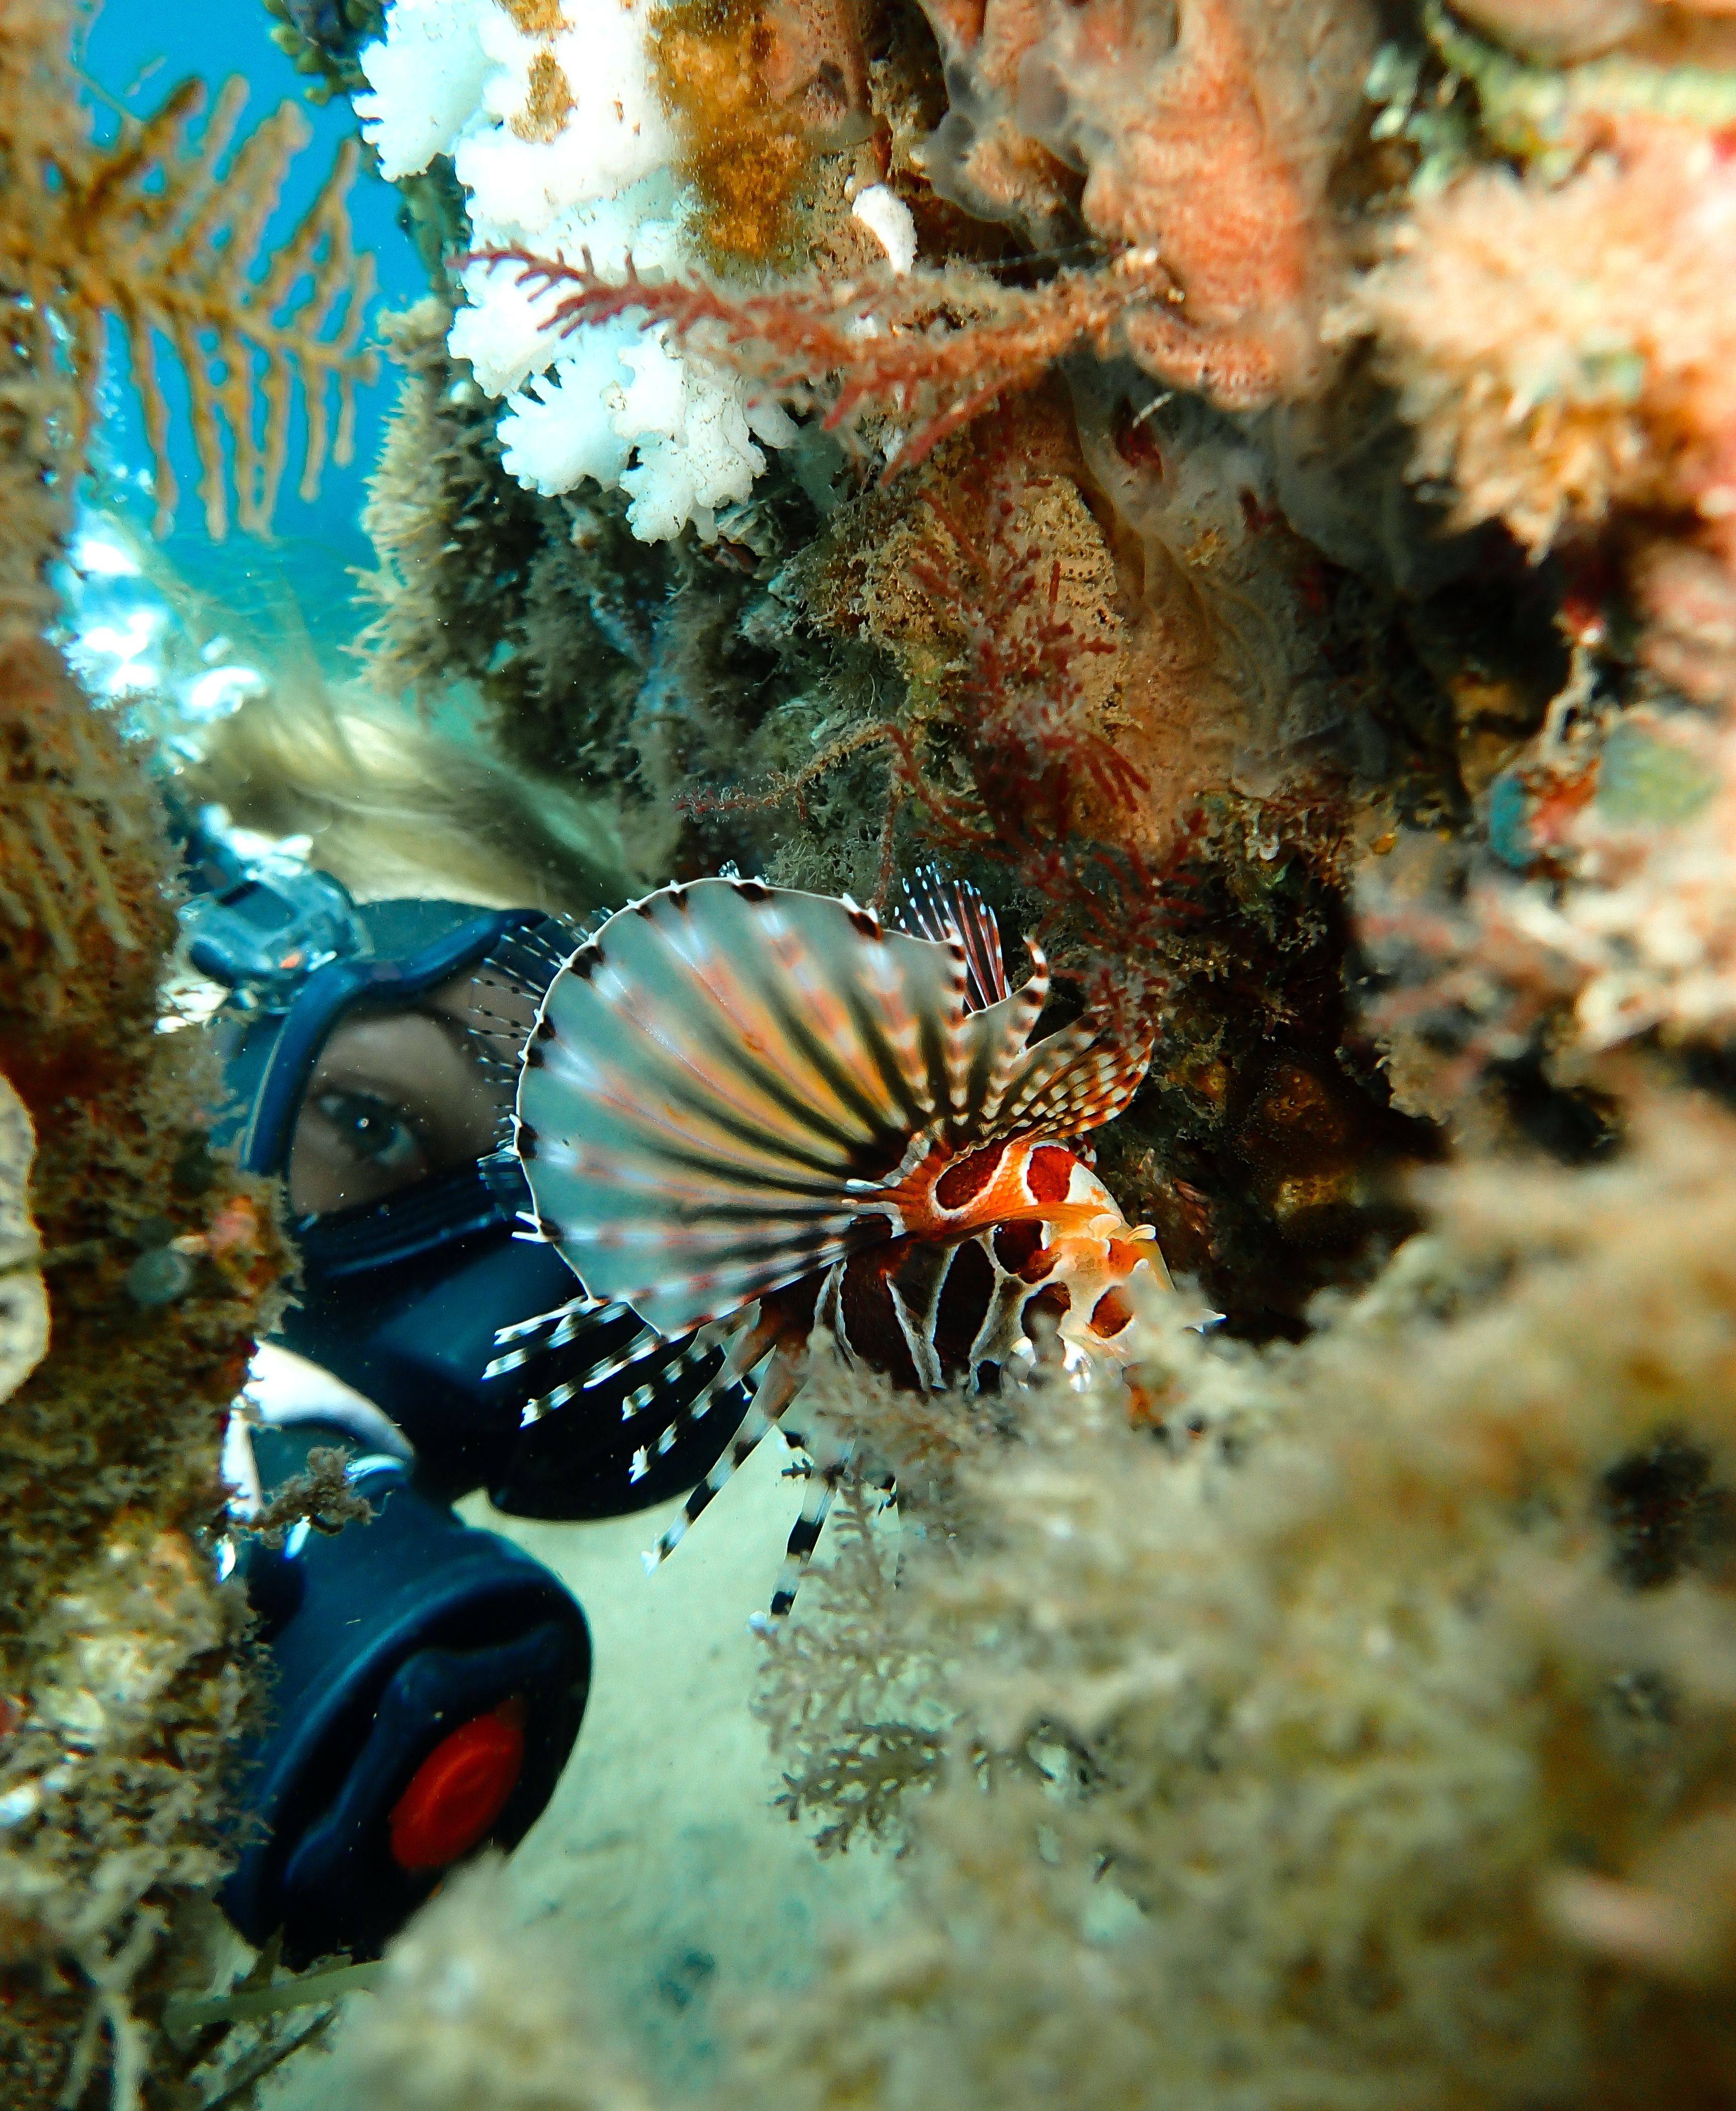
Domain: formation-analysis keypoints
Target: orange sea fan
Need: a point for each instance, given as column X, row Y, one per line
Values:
column 163, row 230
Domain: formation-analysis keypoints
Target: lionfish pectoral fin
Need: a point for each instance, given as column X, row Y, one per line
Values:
column 711, row 1075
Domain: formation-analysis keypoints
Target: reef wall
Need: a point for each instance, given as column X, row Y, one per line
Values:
column 1249, row 483
column 139, row 1266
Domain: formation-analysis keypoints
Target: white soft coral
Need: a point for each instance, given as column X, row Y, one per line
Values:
column 563, row 148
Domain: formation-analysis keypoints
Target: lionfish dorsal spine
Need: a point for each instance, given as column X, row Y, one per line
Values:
column 930, row 906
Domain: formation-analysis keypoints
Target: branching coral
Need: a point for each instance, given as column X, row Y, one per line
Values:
column 559, row 139
column 854, row 1704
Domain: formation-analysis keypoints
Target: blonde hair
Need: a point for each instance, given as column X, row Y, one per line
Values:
column 396, row 809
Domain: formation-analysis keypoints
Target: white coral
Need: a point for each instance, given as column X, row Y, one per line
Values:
column 614, row 136
column 564, row 150
column 426, row 77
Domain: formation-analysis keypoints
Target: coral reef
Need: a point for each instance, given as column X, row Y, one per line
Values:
column 481, row 580
column 1248, row 483
column 121, row 1658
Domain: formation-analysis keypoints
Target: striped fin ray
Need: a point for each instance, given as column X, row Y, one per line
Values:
column 995, row 1039
column 710, row 1072
column 1071, row 1081
column 512, row 981
column 646, row 1402
column 614, row 1343
column 934, row 907
column 1074, row 1080
column 530, row 1339
column 830, row 1459
column 722, row 1393
column 780, row 1383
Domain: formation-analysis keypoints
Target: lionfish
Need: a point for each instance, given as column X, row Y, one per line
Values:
column 746, row 1114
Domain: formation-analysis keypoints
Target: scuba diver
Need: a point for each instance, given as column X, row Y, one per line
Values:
column 429, row 1677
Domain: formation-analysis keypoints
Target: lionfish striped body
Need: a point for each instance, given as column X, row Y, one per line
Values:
column 746, row 1114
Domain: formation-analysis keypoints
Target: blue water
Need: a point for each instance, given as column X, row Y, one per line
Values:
column 137, row 51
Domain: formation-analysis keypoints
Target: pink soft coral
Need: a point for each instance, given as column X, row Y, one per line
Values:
column 1213, row 146
column 1567, row 352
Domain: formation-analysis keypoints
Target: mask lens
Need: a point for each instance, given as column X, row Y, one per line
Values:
column 396, row 1097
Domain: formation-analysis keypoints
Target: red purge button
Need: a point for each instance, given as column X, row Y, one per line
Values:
column 459, row 1790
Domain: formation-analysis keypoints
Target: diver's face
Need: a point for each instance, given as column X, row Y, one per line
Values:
column 396, row 1096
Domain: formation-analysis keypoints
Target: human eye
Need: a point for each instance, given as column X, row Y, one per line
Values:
column 394, row 1099
column 369, row 1130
